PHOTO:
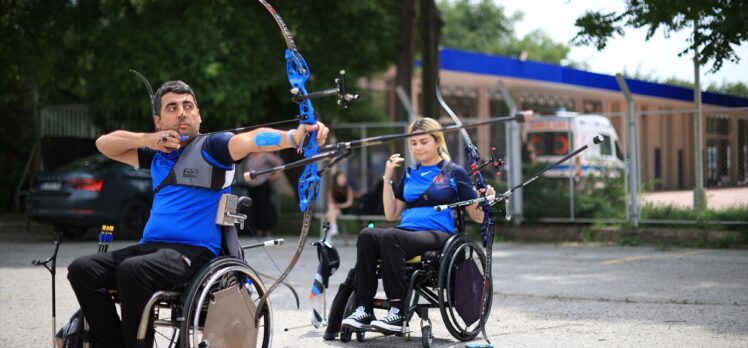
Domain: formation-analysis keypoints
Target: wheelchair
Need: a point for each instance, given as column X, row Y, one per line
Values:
column 188, row 314
column 181, row 316
column 431, row 279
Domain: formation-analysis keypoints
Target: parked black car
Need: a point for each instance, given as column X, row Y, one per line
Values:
column 91, row 191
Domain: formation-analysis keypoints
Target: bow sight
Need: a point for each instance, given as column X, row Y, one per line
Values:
column 344, row 98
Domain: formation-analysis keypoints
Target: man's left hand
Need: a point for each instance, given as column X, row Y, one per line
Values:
column 322, row 132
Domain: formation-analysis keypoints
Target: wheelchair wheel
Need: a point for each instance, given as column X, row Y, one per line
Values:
column 220, row 274
column 458, row 251
column 345, row 333
column 426, row 336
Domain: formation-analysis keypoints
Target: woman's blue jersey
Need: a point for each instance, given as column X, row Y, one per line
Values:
column 447, row 188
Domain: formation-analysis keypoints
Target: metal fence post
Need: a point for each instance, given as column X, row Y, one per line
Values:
column 408, row 105
column 514, row 156
column 699, row 195
column 632, row 145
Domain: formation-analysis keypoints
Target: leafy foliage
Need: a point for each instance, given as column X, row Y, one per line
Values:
column 230, row 52
column 716, row 25
column 594, row 197
column 484, row 27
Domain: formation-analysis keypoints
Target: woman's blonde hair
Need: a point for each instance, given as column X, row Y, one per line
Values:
column 429, row 124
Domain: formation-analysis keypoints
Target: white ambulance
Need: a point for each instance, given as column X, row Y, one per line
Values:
column 552, row 137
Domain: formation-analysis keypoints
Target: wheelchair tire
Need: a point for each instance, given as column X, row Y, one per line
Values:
column 345, row 335
column 459, row 250
column 426, row 336
column 217, row 275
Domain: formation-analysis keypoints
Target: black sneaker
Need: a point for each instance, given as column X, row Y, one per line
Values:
column 358, row 320
column 392, row 322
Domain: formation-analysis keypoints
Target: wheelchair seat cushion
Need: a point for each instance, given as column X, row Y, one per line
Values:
column 427, row 256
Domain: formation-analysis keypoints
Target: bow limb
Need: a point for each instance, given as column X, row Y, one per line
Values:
column 487, row 227
column 307, row 223
column 309, row 182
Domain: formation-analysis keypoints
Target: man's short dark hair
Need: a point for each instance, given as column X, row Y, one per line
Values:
column 178, row 87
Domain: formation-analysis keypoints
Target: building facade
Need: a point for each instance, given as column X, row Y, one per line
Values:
column 665, row 113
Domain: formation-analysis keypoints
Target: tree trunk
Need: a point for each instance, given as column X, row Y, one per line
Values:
column 431, row 30
column 405, row 51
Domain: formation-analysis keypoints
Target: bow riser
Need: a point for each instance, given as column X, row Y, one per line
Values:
column 309, row 181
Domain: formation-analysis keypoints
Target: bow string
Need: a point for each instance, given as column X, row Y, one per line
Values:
column 308, row 186
column 487, row 227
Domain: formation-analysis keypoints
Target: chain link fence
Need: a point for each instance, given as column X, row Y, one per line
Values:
column 594, row 187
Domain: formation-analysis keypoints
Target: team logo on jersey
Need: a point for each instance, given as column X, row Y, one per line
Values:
column 189, row 173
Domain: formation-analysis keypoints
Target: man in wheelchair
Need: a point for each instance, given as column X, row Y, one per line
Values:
column 190, row 173
column 433, row 181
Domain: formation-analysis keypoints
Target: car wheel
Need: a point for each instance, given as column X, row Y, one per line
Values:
column 69, row 232
column 132, row 220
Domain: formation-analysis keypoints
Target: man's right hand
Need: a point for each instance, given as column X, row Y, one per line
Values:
column 165, row 140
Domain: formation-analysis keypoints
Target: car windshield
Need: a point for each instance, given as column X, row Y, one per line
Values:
column 93, row 162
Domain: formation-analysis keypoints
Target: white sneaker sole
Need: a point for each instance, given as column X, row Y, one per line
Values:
column 381, row 326
column 354, row 325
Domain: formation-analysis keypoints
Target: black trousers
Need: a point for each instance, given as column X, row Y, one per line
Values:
column 136, row 272
column 393, row 246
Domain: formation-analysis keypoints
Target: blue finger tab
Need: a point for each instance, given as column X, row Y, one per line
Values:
column 268, row 139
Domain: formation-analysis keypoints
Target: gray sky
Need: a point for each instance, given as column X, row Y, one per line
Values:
column 657, row 57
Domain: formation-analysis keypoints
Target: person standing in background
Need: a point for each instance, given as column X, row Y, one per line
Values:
column 339, row 200
column 263, row 217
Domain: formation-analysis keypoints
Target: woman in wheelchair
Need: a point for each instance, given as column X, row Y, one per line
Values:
column 433, row 181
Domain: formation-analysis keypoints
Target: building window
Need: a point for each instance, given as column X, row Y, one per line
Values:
column 718, row 125
column 496, row 104
column 545, row 104
column 462, row 100
column 590, row 106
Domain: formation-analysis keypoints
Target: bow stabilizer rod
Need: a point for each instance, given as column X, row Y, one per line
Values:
column 335, row 150
column 493, row 199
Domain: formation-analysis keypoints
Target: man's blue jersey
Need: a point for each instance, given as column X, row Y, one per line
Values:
column 446, row 189
column 184, row 214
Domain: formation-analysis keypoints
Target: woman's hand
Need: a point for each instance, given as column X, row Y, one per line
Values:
column 474, row 210
column 487, row 191
column 393, row 162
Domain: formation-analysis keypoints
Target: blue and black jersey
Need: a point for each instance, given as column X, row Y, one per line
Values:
column 424, row 187
column 185, row 213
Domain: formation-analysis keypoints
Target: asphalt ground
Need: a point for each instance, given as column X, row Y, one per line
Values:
column 545, row 295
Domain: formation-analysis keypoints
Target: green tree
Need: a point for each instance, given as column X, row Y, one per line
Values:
column 35, row 53
column 717, row 26
column 738, row 89
column 484, row 27
column 231, row 52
